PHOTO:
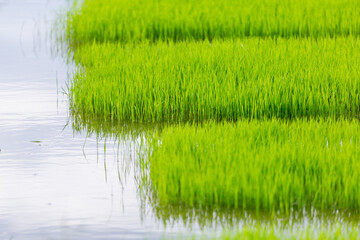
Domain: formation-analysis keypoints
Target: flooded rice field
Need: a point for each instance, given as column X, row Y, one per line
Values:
column 64, row 177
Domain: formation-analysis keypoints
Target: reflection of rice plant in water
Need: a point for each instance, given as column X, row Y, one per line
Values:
column 116, row 144
column 218, row 218
column 307, row 233
column 271, row 166
column 124, row 21
column 249, row 78
column 104, row 129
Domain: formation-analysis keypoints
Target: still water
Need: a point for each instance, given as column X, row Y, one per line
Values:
column 56, row 183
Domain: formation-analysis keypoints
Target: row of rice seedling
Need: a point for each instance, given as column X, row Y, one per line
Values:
column 223, row 80
column 272, row 166
column 124, row 21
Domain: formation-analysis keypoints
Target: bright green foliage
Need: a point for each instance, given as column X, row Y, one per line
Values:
column 262, row 165
column 124, row 20
column 250, row 78
column 280, row 71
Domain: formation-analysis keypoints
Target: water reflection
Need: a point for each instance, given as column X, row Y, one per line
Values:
column 217, row 219
column 3, row 3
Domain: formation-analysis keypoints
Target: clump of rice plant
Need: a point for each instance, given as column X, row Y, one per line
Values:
column 136, row 20
column 222, row 80
column 271, row 166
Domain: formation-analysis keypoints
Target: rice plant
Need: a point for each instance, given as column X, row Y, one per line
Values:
column 137, row 20
column 222, row 80
column 271, row 166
